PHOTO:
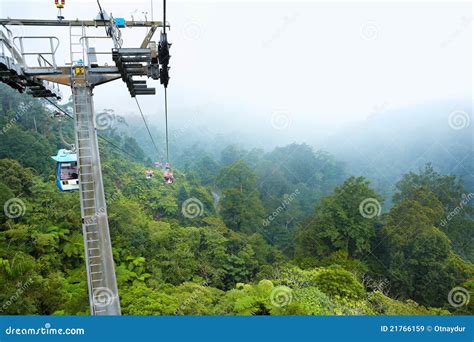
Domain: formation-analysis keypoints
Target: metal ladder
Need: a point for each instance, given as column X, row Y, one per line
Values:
column 76, row 44
column 103, row 292
column 87, row 194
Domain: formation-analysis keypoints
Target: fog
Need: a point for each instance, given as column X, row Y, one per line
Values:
column 283, row 71
column 364, row 81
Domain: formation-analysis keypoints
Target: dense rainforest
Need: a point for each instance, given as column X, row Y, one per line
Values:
column 282, row 232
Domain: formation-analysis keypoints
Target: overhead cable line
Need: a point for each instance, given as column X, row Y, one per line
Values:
column 146, row 125
column 166, row 123
column 59, row 108
column 118, row 147
column 164, row 56
column 164, row 78
column 102, row 17
column 100, row 136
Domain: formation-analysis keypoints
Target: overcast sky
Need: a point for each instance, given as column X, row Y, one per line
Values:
column 318, row 63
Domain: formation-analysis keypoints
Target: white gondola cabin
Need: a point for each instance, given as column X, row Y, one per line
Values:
column 67, row 173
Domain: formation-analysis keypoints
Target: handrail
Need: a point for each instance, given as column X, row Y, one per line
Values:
column 6, row 42
column 40, row 57
column 52, row 52
column 96, row 52
column 51, row 38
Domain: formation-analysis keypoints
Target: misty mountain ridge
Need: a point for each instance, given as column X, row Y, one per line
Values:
column 393, row 142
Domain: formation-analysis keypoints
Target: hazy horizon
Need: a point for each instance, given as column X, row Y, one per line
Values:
column 313, row 68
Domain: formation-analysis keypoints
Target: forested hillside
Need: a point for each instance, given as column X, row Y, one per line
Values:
column 393, row 142
column 284, row 232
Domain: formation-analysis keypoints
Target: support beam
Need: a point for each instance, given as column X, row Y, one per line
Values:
column 78, row 22
column 96, row 76
column 102, row 283
column 148, row 37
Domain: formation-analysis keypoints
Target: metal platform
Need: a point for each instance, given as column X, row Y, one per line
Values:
column 13, row 70
column 130, row 63
column 12, row 75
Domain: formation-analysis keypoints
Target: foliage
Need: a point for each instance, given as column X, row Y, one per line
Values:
column 456, row 219
column 278, row 232
column 418, row 255
column 338, row 223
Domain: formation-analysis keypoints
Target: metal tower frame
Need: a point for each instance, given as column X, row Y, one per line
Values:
column 82, row 75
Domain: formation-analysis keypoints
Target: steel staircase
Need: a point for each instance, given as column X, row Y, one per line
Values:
column 99, row 262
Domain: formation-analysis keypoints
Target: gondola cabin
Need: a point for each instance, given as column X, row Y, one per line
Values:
column 67, row 173
column 149, row 174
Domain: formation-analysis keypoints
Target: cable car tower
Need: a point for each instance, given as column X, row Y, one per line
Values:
column 82, row 74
